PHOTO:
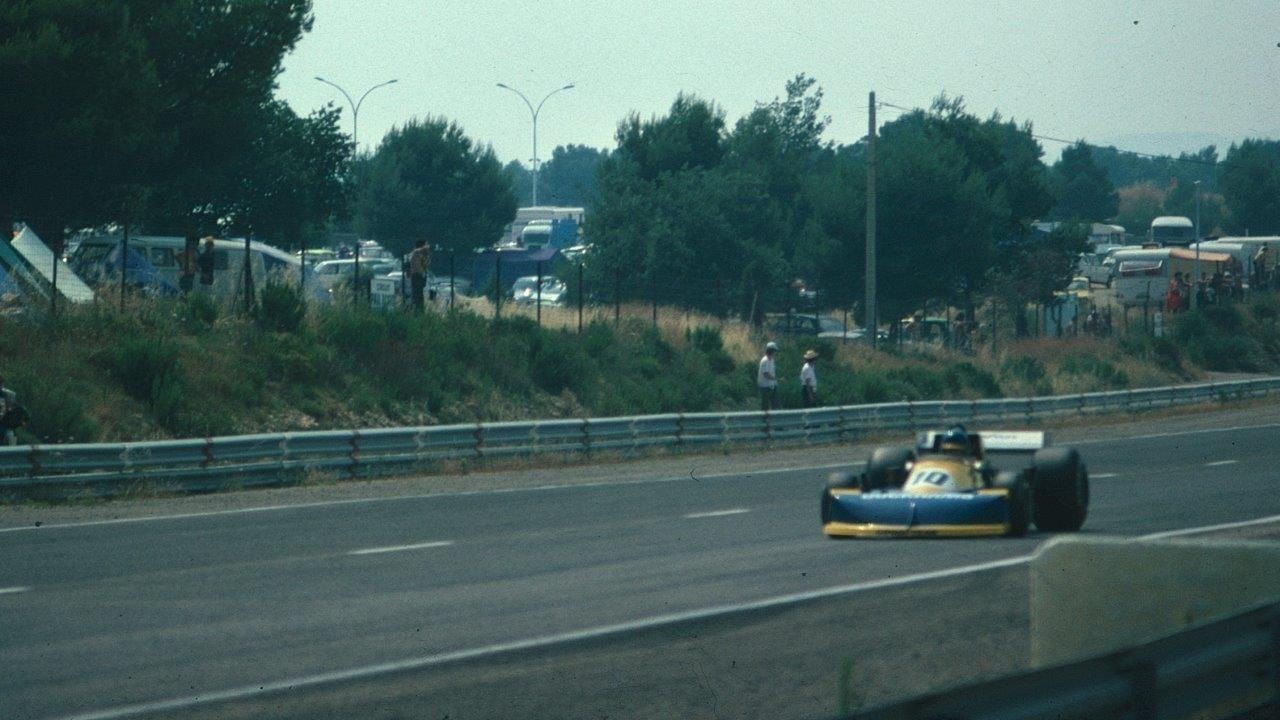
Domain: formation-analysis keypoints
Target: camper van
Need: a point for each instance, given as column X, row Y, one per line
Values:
column 155, row 262
column 1142, row 276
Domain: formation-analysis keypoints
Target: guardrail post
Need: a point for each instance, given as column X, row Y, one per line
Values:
column 679, row 428
column 207, row 451
column 586, row 436
column 911, row 415
column 479, row 446
column 768, row 427
column 355, row 453
column 33, row 458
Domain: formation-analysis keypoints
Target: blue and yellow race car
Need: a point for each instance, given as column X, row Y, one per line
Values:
column 957, row 483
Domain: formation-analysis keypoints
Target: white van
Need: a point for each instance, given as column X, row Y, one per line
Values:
column 97, row 261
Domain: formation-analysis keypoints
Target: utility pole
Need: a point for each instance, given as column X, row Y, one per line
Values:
column 1195, row 282
column 870, row 320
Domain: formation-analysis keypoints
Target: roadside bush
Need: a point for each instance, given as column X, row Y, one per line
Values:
column 1105, row 375
column 281, row 307
column 1026, row 376
column 59, row 412
column 197, row 312
column 143, row 366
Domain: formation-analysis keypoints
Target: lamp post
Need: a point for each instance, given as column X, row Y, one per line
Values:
column 1195, row 285
column 534, row 113
column 355, row 143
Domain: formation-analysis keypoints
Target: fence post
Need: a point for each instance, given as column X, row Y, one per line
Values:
column 124, row 263
column 497, row 284
column 248, row 273
column 580, row 289
column 653, row 294
column 57, row 252
column 451, row 274
column 538, row 300
column 617, row 297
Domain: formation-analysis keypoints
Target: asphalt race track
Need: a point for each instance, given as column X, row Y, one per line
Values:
column 105, row 619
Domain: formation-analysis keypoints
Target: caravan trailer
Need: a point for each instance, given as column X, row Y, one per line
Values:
column 1142, row 276
column 97, row 260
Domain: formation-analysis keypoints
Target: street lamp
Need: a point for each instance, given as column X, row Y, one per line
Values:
column 1195, row 285
column 534, row 113
column 355, row 143
column 355, row 106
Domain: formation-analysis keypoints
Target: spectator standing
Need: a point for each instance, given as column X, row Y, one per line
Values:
column 10, row 415
column 767, row 378
column 204, row 264
column 419, row 261
column 809, row 379
column 1172, row 298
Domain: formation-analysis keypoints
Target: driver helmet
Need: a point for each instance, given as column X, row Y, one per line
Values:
column 955, row 440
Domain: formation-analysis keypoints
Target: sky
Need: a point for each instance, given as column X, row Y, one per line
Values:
column 1144, row 75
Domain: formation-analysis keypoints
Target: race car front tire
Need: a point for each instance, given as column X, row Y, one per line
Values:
column 1020, row 502
column 1061, row 501
column 887, row 468
column 835, row 481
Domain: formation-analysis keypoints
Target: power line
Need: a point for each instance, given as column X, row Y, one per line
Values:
column 1050, row 138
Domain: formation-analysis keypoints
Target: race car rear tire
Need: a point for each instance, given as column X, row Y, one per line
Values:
column 887, row 468
column 1061, row 501
column 835, row 481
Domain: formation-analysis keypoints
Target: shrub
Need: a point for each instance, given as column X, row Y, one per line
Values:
column 142, row 365
column 198, row 312
column 59, row 413
column 1107, row 375
column 281, row 307
column 1026, row 374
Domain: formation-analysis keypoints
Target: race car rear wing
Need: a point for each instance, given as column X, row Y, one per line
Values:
column 995, row 440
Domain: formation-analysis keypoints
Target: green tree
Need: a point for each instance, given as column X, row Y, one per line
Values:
column 1083, row 189
column 569, row 177
column 428, row 179
column 1250, row 183
column 293, row 178
column 79, row 89
column 216, row 64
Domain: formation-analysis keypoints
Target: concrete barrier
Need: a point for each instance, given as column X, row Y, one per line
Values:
column 1091, row 596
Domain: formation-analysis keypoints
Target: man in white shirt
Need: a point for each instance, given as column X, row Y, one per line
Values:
column 767, row 378
column 809, row 379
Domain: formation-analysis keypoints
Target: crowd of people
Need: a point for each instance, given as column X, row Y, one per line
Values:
column 1220, row 287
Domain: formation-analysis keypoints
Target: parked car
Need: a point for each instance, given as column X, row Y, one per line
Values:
column 525, row 290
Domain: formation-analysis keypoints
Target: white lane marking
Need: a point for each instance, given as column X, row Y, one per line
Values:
column 1211, row 528
column 1220, row 463
column 428, row 496
column 588, row 634
column 399, row 548
column 717, row 513
column 602, row 483
column 367, row 671
column 13, row 590
column 1102, row 476
column 1179, row 433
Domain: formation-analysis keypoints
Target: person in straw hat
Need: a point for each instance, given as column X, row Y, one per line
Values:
column 809, row 379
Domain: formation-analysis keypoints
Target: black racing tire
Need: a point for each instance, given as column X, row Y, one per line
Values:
column 887, row 468
column 1061, row 501
column 835, row 481
column 1021, row 502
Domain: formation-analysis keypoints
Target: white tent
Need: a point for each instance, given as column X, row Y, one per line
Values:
column 40, row 258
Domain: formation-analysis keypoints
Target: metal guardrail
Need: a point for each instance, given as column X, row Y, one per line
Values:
column 272, row 459
column 1226, row 669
